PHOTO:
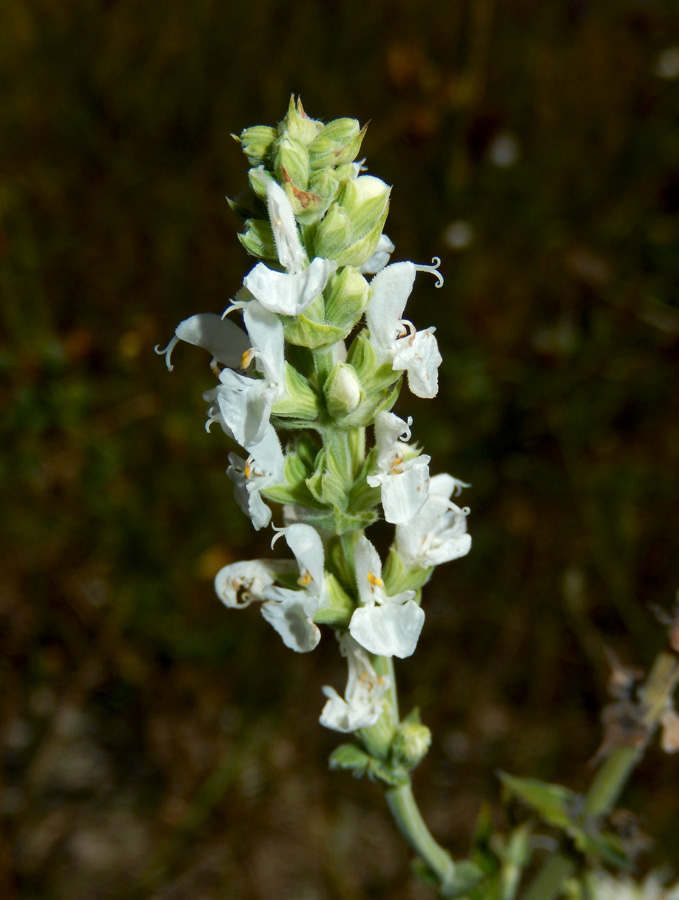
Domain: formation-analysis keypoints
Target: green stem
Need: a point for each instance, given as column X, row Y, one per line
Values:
column 412, row 826
column 610, row 780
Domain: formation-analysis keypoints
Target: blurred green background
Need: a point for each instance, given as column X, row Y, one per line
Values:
column 156, row 745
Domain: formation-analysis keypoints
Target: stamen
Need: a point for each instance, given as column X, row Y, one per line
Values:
column 304, row 578
column 375, row 580
column 434, row 269
column 167, row 352
column 247, row 358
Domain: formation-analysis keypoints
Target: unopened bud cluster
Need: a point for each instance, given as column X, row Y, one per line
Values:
column 306, row 386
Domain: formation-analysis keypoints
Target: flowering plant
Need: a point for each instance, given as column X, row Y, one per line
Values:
column 306, row 387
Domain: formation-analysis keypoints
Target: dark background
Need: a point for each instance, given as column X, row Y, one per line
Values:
column 159, row 746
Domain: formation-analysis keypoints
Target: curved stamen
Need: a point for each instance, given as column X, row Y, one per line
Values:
column 434, row 269
column 167, row 352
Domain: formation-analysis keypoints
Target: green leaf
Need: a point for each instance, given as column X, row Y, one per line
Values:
column 555, row 803
column 350, row 758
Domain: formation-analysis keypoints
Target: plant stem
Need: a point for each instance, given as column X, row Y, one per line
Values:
column 613, row 775
column 401, row 801
column 412, row 826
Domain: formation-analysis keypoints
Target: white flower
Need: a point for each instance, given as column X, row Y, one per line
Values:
column 438, row 532
column 602, row 886
column 395, row 339
column 363, row 695
column 387, row 626
column 220, row 337
column 291, row 612
column 290, row 292
column 239, row 584
column 404, row 482
column 242, row 405
column 263, row 468
column 380, row 257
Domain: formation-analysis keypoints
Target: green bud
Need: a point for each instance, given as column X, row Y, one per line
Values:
column 259, row 178
column 307, row 206
column 258, row 239
column 411, row 741
column 342, row 391
column 298, row 125
column 337, row 143
column 346, row 298
column 256, row 143
column 350, row 231
column 291, row 162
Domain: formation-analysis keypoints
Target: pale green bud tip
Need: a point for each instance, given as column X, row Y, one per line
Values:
column 342, row 391
column 257, row 143
column 411, row 743
column 297, row 125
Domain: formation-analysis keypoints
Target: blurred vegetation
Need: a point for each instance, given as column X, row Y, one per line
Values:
column 156, row 745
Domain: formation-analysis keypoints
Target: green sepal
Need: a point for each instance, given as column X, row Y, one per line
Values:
column 398, row 578
column 373, row 374
column 301, row 402
column 258, row 179
column 291, row 162
column 338, row 522
column 308, row 206
column 337, row 143
column 256, row 143
column 336, row 560
column 352, row 227
column 346, row 298
column 258, row 239
column 297, row 124
column 339, row 606
column 294, row 489
column 303, row 331
column 389, row 774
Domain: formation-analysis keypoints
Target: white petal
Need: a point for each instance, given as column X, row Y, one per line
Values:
column 291, row 254
column 238, row 584
column 388, row 630
column 380, row 257
column 389, row 292
column 266, row 334
column 220, row 337
column 289, row 294
column 290, row 619
column 305, row 542
column 245, row 405
column 368, row 569
column 419, row 355
column 405, row 492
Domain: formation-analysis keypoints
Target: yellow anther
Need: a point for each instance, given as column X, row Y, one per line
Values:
column 375, row 580
column 304, row 579
column 247, row 471
column 246, row 358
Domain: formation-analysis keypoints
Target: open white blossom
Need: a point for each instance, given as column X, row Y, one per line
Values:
column 289, row 611
column 263, row 468
column 437, row 533
column 404, row 482
column 387, row 626
column 220, row 337
column 240, row 584
column 290, row 292
column 363, row 699
column 396, row 339
column 242, row 405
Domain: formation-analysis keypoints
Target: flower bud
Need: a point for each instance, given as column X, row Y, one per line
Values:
column 337, row 143
column 258, row 239
column 291, row 162
column 352, row 228
column 297, row 125
column 256, row 143
column 411, row 741
column 342, row 391
column 347, row 295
